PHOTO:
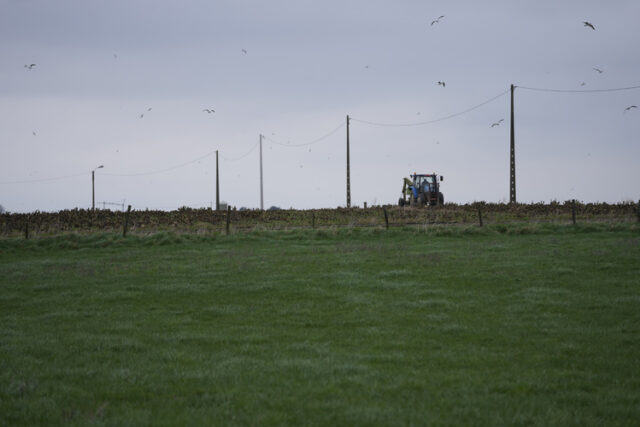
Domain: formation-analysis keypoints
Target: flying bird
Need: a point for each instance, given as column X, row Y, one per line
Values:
column 244, row 51
column 115, row 56
column 598, row 70
column 588, row 24
column 30, row 66
column 582, row 84
column 497, row 123
column 209, row 111
column 630, row 107
column 437, row 20
column 34, row 134
column 149, row 109
column 441, row 84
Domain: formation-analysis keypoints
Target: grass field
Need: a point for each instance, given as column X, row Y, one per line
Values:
column 453, row 325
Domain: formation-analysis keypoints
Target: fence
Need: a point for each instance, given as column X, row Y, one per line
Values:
column 210, row 221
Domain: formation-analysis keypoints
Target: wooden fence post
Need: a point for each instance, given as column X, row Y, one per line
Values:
column 126, row 221
column 573, row 211
column 26, row 229
column 313, row 220
column 228, row 218
column 638, row 210
column 386, row 217
column 480, row 215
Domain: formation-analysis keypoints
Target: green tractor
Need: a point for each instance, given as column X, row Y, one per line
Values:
column 421, row 190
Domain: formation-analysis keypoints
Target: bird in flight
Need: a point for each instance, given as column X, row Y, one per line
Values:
column 441, row 84
column 437, row 20
column 244, row 51
column 497, row 123
column 30, row 66
column 588, row 24
column 582, row 84
column 34, row 134
column 598, row 70
column 630, row 107
column 209, row 111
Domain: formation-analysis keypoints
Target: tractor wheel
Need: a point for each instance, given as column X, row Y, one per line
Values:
column 421, row 200
column 400, row 201
column 440, row 198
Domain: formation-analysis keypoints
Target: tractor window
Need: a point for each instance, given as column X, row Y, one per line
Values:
column 422, row 181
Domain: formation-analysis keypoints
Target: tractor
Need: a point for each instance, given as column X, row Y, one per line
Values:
column 421, row 189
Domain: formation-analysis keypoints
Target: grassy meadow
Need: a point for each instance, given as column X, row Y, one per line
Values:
column 500, row 325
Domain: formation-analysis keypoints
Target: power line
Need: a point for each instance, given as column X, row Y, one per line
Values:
column 234, row 159
column 435, row 120
column 578, row 90
column 322, row 138
column 161, row 170
column 45, row 179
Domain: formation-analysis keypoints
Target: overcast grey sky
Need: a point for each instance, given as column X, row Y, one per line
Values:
column 100, row 65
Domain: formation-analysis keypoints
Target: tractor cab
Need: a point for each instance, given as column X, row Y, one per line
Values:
column 424, row 183
column 422, row 189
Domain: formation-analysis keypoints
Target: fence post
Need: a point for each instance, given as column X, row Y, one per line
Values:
column 480, row 215
column 638, row 210
column 228, row 218
column 126, row 221
column 313, row 220
column 573, row 211
column 26, row 229
column 386, row 217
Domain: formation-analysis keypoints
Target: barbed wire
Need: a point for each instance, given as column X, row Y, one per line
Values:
column 315, row 141
column 435, row 120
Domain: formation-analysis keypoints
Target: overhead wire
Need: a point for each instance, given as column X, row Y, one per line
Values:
column 30, row 181
column 161, row 170
column 435, row 120
column 450, row 116
column 234, row 159
column 578, row 90
column 315, row 141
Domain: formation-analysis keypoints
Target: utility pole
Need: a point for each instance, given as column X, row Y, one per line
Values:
column 512, row 181
column 348, row 168
column 93, row 187
column 261, row 194
column 217, row 184
column 93, row 190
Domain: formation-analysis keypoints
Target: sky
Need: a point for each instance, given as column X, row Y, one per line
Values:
column 123, row 84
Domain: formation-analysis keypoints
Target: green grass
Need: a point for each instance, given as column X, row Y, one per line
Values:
column 498, row 325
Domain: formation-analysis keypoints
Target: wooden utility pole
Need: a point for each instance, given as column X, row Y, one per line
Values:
column 93, row 190
column 512, row 174
column 217, row 184
column 348, row 169
column 261, row 188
